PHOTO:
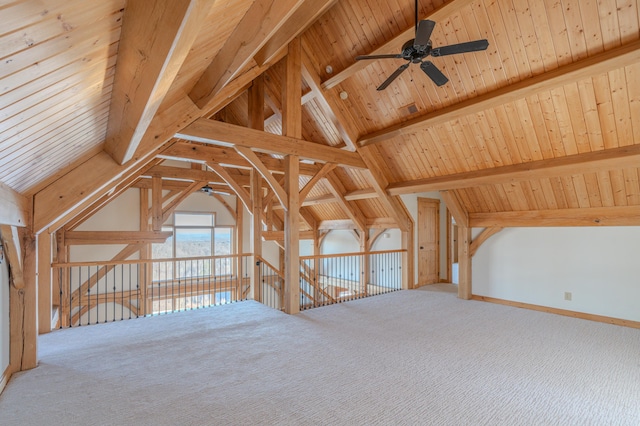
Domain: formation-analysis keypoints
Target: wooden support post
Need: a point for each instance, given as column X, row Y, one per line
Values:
column 44, row 283
column 63, row 290
column 20, row 247
column 256, row 104
column 146, row 269
column 317, row 242
column 156, row 203
column 292, row 127
column 55, row 280
column 256, row 227
column 291, row 238
column 464, row 263
column 461, row 217
column 239, row 246
column 364, row 272
column 256, row 121
column 408, row 276
column 292, row 92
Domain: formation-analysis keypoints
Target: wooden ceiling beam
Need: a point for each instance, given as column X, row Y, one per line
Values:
column 148, row 62
column 224, row 134
column 299, row 21
column 105, row 199
column 395, row 45
column 329, row 104
column 360, row 194
column 60, row 199
column 394, row 206
column 336, row 224
column 179, row 185
column 455, row 206
column 187, row 151
column 171, row 185
column 340, row 116
column 261, row 22
column 600, row 63
column 15, row 209
column 347, row 224
column 169, row 208
column 482, row 238
column 275, row 186
column 233, row 184
column 70, row 192
column 594, row 216
column 308, row 217
column 323, row 199
column 115, row 237
column 170, row 172
column 589, row 162
column 352, row 211
column 279, row 235
column 185, row 174
column 273, row 103
column 328, row 167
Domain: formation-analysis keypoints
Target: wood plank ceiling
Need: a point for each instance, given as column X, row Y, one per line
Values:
column 560, row 81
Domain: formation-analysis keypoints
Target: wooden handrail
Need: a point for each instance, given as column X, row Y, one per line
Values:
column 141, row 261
column 280, row 274
column 325, row 256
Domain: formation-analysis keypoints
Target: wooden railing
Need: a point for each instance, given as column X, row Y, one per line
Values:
column 328, row 279
column 97, row 292
column 271, row 281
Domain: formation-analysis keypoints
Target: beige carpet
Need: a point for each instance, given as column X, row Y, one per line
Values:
column 411, row 357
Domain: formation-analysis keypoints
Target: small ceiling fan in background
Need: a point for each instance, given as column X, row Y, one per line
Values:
column 417, row 49
column 210, row 191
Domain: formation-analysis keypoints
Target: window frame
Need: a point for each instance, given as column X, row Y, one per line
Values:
column 212, row 230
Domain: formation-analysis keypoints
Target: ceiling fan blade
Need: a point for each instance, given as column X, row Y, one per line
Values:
column 433, row 73
column 361, row 57
column 469, row 46
column 393, row 76
column 423, row 33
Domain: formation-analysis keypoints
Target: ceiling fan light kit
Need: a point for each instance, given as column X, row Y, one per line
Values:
column 416, row 51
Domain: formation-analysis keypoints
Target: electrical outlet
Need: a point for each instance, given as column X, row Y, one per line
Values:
column 567, row 295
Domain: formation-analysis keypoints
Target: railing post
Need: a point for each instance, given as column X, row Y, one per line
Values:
column 407, row 259
column 364, row 261
column 256, row 280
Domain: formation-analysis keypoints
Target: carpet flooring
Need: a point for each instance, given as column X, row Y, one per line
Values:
column 420, row 357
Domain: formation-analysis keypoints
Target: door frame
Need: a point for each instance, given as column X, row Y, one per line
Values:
column 438, row 203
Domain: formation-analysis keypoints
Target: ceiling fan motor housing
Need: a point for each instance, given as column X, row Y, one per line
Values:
column 413, row 53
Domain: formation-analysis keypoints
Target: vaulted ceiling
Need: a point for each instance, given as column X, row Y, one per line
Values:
column 545, row 121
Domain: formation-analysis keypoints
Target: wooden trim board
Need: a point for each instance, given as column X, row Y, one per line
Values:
column 557, row 311
column 4, row 379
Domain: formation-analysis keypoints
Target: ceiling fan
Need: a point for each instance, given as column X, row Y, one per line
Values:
column 210, row 191
column 416, row 50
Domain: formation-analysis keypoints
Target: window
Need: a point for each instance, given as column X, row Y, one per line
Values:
column 194, row 236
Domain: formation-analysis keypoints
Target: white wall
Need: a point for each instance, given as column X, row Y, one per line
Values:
column 391, row 239
column 4, row 316
column 339, row 241
column 122, row 214
column 600, row 266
